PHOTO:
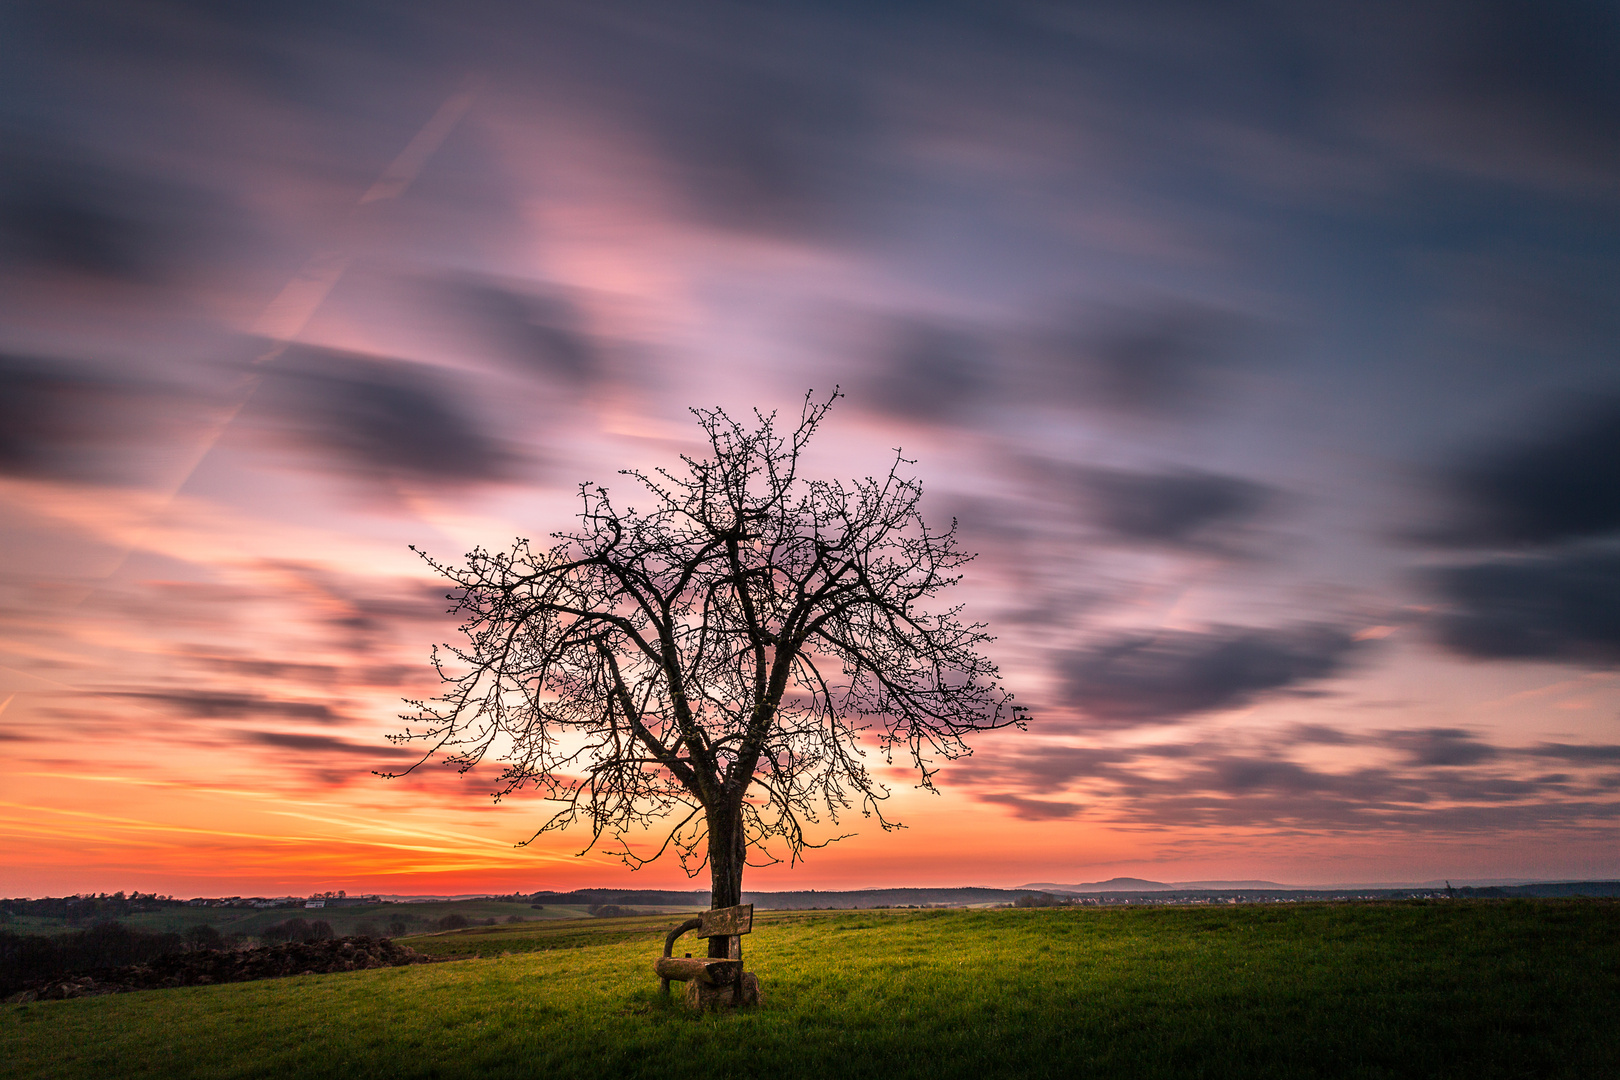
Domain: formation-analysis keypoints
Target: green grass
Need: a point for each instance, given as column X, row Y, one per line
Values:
column 1459, row 989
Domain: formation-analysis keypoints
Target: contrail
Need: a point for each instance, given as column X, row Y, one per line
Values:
column 285, row 317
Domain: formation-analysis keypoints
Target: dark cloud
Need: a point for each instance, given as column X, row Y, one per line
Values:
column 536, row 334
column 1441, row 746
column 63, row 227
column 1247, row 775
column 1162, row 358
column 1185, row 508
column 763, row 150
column 1580, row 753
column 325, row 745
column 928, row 373
column 1560, row 485
column 83, row 211
column 1545, row 78
column 1577, row 753
column 65, row 420
column 379, row 417
column 229, row 706
column 1318, row 735
column 1562, row 607
column 75, row 217
column 1441, row 779
column 1032, row 809
column 314, row 674
column 307, row 674
column 1140, row 679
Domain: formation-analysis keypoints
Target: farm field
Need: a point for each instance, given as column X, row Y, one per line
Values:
column 1464, row 989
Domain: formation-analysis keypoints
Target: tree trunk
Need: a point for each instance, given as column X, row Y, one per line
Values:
column 728, row 852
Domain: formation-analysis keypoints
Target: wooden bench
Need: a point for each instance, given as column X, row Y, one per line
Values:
column 712, row 974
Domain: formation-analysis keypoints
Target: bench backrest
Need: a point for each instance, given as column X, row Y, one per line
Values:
column 727, row 921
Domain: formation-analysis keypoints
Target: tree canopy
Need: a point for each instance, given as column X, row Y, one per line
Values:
column 717, row 665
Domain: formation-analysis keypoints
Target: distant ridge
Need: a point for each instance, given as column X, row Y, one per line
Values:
column 1118, row 884
column 1131, row 884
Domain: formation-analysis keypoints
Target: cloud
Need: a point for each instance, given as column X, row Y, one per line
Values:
column 1159, row 358
column 1577, row 753
column 377, row 417
column 927, row 372
column 1445, row 780
column 1032, row 809
column 66, row 211
column 1562, row 607
column 291, row 671
column 65, row 227
column 325, row 745
column 1318, row 735
column 1541, row 82
column 1142, row 679
column 64, row 420
column 538, row 334
column 299, row 673
column 763, row 152
column 203, row 704
column 1441, row 746
column 1560, row 485
column 1184, row 508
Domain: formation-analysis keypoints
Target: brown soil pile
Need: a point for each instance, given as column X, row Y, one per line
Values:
column 206, row 966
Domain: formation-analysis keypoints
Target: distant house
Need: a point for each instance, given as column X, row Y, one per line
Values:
column 314, row 903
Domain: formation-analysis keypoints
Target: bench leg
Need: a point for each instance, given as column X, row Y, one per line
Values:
column 745, row 992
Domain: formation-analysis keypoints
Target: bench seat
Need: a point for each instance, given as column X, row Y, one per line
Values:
column 711, row 970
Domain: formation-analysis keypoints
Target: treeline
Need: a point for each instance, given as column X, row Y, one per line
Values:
column 87, row 908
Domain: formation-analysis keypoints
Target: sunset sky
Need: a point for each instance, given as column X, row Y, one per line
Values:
column 1267, row 354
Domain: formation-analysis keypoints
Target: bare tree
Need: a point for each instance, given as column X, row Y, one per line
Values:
column 713, row 665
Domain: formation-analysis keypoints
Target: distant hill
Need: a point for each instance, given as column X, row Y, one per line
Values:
column 1118, row 884
column 1218, row 885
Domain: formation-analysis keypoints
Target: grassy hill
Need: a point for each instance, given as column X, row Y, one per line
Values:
column 1464, row 989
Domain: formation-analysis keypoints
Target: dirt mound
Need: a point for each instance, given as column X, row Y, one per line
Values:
column 206, row 966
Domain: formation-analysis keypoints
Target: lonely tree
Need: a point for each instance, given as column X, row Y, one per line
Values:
column 716, row 664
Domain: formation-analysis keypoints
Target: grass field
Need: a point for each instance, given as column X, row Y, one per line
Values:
column 1460, row 989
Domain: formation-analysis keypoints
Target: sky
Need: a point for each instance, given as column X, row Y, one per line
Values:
column 1266, row 354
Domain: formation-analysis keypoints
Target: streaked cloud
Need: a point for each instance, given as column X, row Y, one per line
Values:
column 379, row 418
column 1165, row 676
column 1556, row 485
column 1564, row 606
